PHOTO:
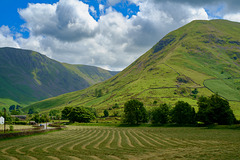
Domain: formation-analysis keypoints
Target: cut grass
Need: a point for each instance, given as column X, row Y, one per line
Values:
column 96, row 142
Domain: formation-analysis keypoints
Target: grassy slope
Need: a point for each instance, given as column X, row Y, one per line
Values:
column 199, row 51
column 27, row 76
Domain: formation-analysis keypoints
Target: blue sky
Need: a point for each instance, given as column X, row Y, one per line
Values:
column 105, row 33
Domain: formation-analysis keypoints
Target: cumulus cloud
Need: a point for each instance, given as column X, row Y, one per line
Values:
column 233, row 17
column 67, row 20
column 6, row 38
column 66, row 31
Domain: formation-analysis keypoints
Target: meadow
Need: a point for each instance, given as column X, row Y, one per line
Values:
column 111, row 142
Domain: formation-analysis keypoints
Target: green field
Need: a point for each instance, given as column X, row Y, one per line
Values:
column 228, row 88
column 95, row 143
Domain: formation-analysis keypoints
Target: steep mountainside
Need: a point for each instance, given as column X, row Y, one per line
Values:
column 199, row 58
column 27, row 76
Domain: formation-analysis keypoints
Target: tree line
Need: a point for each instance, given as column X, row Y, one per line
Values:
column 213, row 109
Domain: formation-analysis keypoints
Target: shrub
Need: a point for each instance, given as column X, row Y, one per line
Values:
column 11, row 128
column 105, row 112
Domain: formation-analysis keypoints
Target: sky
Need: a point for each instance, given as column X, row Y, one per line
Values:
column 106, row 33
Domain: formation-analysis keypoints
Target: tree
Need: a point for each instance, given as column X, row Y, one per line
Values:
column 183, row 113
column 105, row 112
column 215, row 109
column 36, row 118
column 135, row 112
column 77, row 114
column 32, row 110
column 160, row 114
column 11, row 108
column 65, row 112
column 53, row 112
column 44, row 118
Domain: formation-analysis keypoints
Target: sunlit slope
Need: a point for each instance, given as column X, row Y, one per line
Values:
column 184, row 60
column 27, row 76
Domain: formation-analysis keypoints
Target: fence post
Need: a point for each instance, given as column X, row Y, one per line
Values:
column 4, row 119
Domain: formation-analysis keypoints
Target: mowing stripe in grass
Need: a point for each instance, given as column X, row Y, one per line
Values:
column 133, row 137
column 92, row 142
column 84, row 139
column 119, row 144
column 108, row 145
column 75, row 138
column 127, row 138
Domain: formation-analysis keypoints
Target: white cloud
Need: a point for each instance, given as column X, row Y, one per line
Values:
column 6, row 38
column 233, row 17
column 67, row 20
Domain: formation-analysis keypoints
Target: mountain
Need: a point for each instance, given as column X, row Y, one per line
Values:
column 27, row 76
column 200, row 58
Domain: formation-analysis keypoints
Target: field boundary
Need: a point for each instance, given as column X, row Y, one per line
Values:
column 26, row 133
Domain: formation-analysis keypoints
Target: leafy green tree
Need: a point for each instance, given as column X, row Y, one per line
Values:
column 77, row 114
column 53, row 112
column 33, row 110
column 80, row 114
column 134, row 112
column 11, row 108
column 161, row 114
column 65, row 112
column 215, row 109
column 105, row 112
column 36, row 118
column 183, row 113
column 44, row 118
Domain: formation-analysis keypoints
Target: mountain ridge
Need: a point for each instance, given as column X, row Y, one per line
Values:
column 27, row 76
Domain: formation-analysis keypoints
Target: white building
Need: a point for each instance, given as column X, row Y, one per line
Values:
column 1, row 120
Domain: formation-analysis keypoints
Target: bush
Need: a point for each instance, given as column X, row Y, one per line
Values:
column 11, row 128
column 105, row 112
column 183, row 113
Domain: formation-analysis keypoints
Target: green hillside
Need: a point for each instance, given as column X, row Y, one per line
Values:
column 27, row 76
column 202, row 56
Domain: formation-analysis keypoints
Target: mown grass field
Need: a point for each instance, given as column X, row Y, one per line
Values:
column 96, row 143
column 228, row 88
